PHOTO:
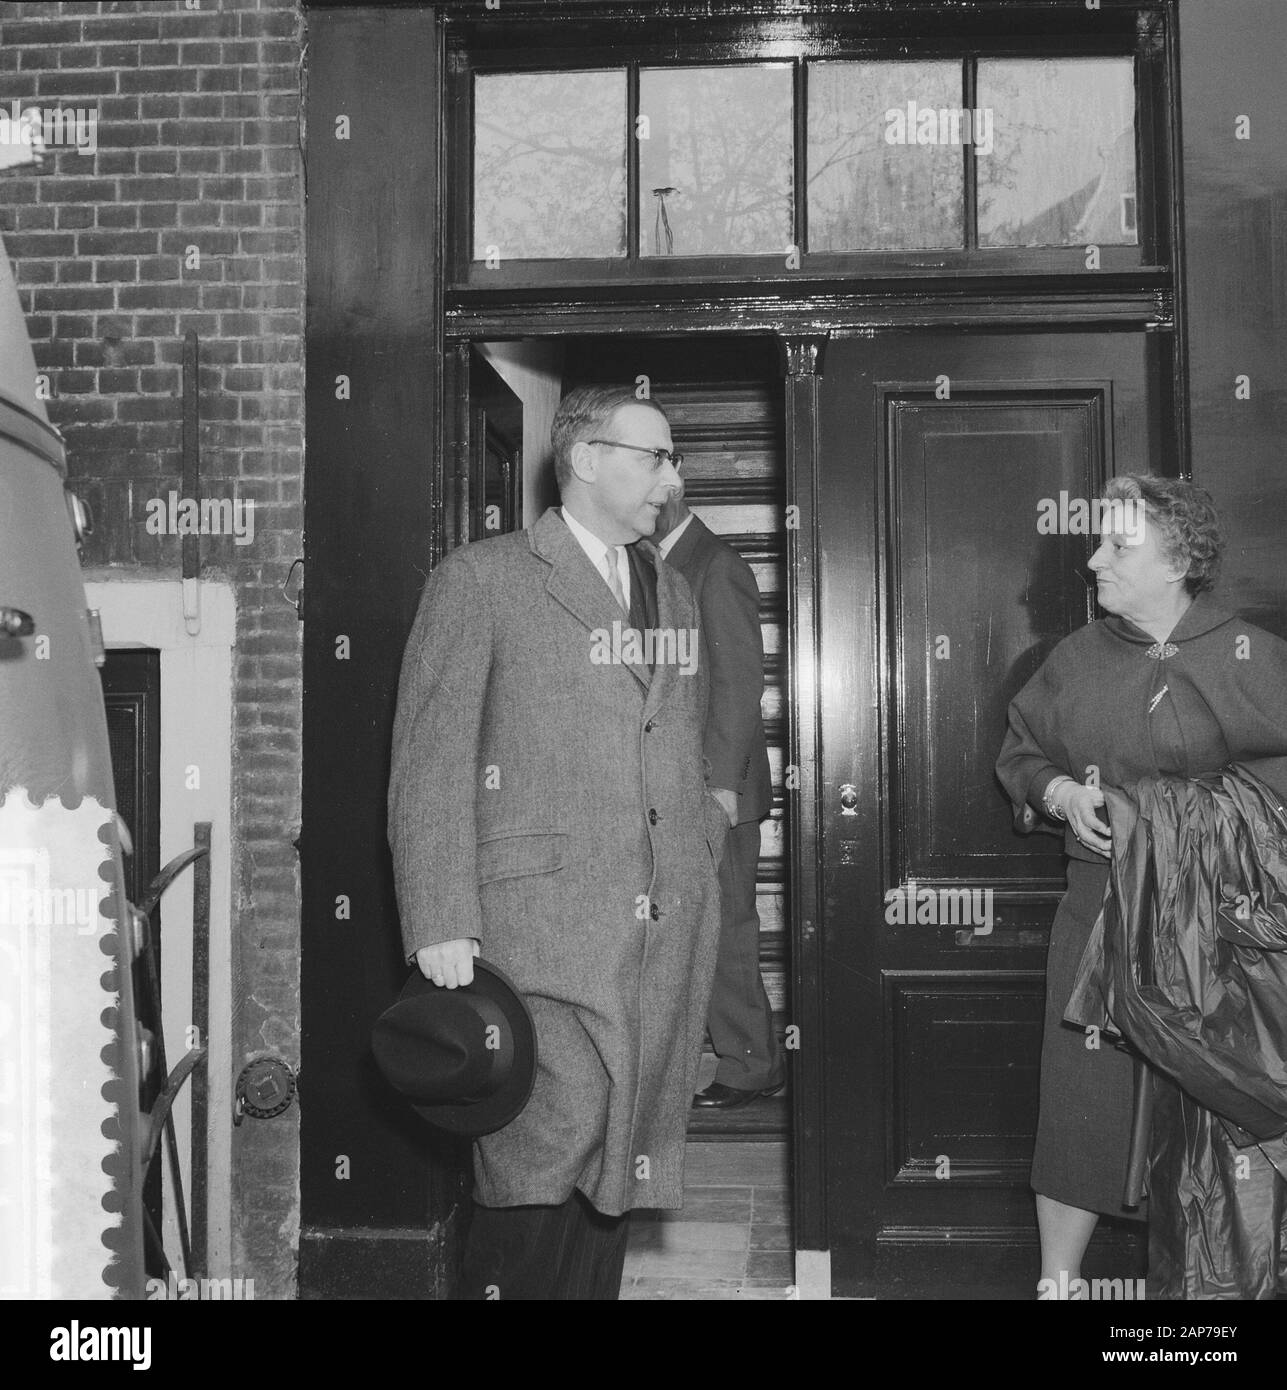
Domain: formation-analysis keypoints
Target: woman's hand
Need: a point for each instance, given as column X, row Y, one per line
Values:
column 1079, row 804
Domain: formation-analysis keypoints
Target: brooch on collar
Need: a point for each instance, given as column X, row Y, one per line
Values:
column 1161, row 651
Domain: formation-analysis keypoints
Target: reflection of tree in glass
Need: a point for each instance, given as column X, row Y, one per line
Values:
column 1064, row 156
column 1109, row 216
column 720, row 139
column 549, row 164
column 866, row 194
column 549, row 159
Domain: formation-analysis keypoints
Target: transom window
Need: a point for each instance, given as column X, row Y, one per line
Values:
column 983, row 161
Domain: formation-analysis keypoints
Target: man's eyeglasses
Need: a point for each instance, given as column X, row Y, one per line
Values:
column 660, row 457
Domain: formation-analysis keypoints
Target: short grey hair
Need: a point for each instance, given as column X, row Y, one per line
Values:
column 582, row 413
column 1186, row 517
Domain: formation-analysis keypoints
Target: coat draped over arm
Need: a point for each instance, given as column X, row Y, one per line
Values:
column 1189, row 961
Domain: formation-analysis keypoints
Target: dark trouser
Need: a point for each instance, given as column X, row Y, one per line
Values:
column 564, row 1252
column 739, row 1017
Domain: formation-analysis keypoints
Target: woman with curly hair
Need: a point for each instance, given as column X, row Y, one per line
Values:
column 1167, row 684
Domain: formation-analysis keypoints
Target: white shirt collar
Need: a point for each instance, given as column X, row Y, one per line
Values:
column 597, row 551
column 595, row 548
column 667, row 545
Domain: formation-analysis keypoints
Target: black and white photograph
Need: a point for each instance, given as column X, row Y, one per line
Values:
column 643, row 658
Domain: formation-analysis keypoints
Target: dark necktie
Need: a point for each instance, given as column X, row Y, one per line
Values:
column 642, row 610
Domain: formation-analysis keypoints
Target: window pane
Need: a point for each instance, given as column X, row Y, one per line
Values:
column 1062, row 172
column 715, row 153
column 877, row 179
column 550, row 164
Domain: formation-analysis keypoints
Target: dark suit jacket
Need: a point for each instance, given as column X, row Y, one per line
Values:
column 729, row 603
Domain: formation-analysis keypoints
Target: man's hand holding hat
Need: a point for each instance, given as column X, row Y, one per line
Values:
column 466, row 1057
column 449, row 963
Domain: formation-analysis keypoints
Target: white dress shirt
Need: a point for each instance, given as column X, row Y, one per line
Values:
column 599, row 554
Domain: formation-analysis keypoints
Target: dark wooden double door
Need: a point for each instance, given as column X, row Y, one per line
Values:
column 938, row 596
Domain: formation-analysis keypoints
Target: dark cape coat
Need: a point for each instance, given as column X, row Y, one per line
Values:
column 552, row 805
column 1112, row 703
column 1102, row 701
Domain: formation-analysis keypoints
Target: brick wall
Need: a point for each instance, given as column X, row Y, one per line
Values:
column 189, row 216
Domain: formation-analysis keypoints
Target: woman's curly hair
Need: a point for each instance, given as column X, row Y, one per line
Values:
column 1186, row 517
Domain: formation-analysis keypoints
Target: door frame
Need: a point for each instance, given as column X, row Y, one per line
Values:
column 803, row 330
column 395, row 323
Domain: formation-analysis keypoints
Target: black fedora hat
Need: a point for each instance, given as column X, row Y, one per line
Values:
column 465, row 1058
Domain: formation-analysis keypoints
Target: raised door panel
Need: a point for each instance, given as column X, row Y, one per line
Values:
column 979, row 597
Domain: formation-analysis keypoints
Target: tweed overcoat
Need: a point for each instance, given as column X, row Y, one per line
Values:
column 555, row 807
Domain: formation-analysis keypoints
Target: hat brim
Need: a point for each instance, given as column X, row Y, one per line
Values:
column 477, row 1118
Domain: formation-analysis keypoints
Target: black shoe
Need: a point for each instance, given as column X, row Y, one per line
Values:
column 717, row 1096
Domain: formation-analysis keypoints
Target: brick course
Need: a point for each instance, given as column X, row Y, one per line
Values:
column 198, row 146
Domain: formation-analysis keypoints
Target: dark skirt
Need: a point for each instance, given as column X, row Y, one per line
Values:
column 1087, row 1094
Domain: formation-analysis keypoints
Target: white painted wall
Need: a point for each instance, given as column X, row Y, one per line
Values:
column 534, row 372
column 196, row 732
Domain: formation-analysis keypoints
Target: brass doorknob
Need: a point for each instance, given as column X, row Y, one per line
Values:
column 848, row 800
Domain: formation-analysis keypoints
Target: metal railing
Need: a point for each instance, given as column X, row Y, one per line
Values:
column 193, row 1066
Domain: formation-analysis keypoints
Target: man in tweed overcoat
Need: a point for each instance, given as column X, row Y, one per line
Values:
column 549, row 804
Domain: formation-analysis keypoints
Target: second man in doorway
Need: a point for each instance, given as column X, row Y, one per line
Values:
column 739, row 1018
